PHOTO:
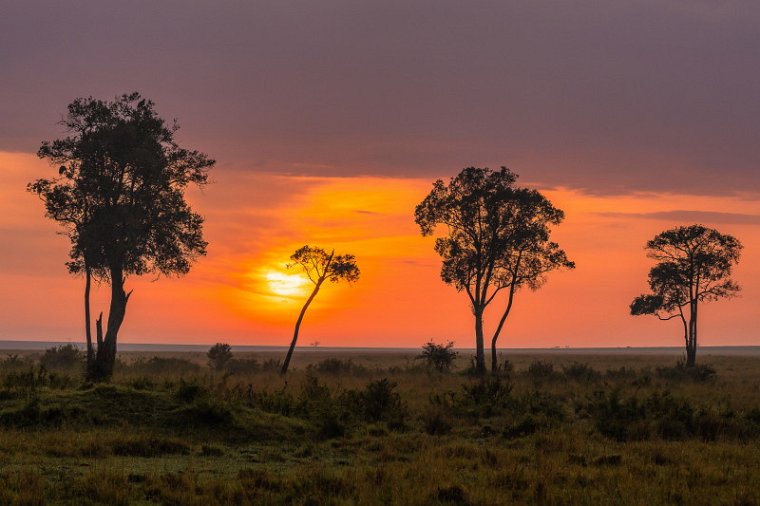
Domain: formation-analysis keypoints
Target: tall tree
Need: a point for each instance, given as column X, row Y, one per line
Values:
column 694, row 264
column 319, row 266
column 120, row 196
column 498, row 238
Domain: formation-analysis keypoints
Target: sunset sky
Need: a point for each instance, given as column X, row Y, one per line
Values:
column 329, row 122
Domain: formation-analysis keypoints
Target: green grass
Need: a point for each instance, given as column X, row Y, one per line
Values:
column 557, row 429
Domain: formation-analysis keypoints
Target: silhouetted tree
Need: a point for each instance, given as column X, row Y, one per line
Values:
column 219, row 355
column 694, row 265
column 439, row 356
column 319, row 266
column 497, row 239
column 120, row 196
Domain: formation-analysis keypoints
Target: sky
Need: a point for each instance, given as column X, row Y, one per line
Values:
column 329, row 122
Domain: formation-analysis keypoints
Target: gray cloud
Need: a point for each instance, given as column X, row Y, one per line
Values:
column 705, row 217
column 606, row 96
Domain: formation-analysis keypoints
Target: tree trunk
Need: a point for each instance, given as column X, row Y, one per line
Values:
column 285, row 364
column 106, row 353
column 480, row 359
column 691, row 345
column 494, row 361
column 87, row 326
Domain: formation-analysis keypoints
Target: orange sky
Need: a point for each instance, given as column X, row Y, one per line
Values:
column 242, row 294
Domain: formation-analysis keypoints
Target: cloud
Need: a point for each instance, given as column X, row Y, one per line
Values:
column 707, row 217
column 605, row 96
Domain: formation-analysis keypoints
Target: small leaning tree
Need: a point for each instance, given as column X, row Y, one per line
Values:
column 119, row 193
column 319, row 266
column 497, row 239
column 694, row 264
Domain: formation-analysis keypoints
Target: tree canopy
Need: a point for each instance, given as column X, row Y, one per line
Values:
column 497, row 238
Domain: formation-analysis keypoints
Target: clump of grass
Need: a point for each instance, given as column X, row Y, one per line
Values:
column 697, row 373
column 539, row 371
column 581, row 372
column 336, row 367
column 159, row 366
column 436, row 421
column 149, row 446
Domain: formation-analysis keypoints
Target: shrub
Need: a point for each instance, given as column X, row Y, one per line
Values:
column 205, row 412
column 188, row 392
column 658, row 415
column 698, row 373
column 160, row 366
column 439, row 356
column 377, row 402
column 218, row 356
column 65, row 356
column 13, row 362
column 335, row 366
column 580, row 372
column 621, row 373
column 243, row 366
column 149, row 447
column 271, row 365
column 435, row 421
column 524, row 427
column 488, row 390
column 539, row 370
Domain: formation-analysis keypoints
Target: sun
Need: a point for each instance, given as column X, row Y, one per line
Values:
column 286, row 285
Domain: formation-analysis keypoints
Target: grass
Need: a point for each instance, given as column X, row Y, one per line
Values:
column 382, row 429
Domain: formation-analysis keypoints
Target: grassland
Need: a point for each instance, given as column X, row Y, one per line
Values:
column 381, row 428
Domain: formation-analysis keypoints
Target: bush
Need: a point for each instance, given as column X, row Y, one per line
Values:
column 439, row 356
column 486, row 396
column 580, row 372
column 271, row 365
column 160, row 366
column 539, row 370
column 658, row 415
column 243, row 366
column 377, row 402
column 681, row 372
column 149, row 447
column 189, row 392
column 65, row 356
column 435, row 421
column 335, row 366
column 524, row 427
column 218, row 356
column 13, row 362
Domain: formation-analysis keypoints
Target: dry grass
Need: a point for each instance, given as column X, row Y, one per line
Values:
column 561, row 434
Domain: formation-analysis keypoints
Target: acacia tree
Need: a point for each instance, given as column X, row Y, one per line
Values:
column 319, row 266
column 119, row 194
column 498, row 238
column 694, row 264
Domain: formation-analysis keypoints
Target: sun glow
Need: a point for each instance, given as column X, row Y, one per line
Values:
column 286, row 285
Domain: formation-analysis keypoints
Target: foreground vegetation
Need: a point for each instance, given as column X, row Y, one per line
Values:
column 380, row 428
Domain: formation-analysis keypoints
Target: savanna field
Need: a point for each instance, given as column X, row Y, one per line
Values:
column 380, row 428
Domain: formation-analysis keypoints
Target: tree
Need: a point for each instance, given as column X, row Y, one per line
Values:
column 694, row 264
column 119, row 195
column 439, row 356
column 497, row 239
column 319, row 266
column 219, row 355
